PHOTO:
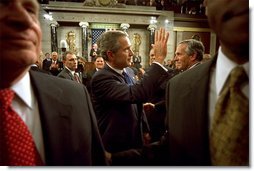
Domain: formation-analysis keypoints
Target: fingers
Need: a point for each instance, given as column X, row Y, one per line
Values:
column 166, row 37
column 156, row 36
column 160, row 46
column 161, row 35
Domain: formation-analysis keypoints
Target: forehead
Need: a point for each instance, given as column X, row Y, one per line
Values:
column 99, row 59
column 182, row 46
column 124, row 41
column 71, row 55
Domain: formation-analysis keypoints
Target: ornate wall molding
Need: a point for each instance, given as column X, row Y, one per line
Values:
column 76, row 12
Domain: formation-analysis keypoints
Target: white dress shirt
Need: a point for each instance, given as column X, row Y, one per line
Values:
column 26, row 106
column 219, row 77
column 119, row 71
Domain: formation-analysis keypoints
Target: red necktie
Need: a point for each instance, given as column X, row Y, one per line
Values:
column 17, row 147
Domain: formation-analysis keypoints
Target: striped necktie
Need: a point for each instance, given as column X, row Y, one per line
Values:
column 127, row 78
column 76, row 77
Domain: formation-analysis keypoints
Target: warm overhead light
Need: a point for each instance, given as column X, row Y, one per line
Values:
column 153, row 20
column 48, row 17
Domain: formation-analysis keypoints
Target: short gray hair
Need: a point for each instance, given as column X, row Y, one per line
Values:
column 108, row 41
column 194, row 46
column 66, row 53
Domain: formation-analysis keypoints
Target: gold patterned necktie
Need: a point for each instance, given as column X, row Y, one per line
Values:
column 229, row 138
column 17, row 147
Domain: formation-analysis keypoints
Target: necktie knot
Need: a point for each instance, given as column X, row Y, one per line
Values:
column 6, row 96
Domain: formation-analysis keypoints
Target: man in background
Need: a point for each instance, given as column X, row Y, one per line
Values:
column 189, row 53
column 70, row 62
column 46, row 62
column 94, row 52
column 55, row 65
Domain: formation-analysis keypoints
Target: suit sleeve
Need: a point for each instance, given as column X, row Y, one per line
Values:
column 120, row 92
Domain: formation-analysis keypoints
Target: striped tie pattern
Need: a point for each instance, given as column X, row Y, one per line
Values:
column 127, row 78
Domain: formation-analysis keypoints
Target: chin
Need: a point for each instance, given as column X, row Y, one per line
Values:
column 26, row 58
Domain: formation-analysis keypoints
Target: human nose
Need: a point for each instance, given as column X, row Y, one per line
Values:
column 131, row 52
column 175, row 58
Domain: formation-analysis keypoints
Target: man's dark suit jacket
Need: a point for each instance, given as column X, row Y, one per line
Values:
column 46, row 66
column 65, row 73
column 36, row 68
column 87, row 79
column 119, row 109
column 187, row 118
column 69, row 126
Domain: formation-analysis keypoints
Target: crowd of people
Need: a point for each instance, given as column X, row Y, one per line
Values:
column 185, row 113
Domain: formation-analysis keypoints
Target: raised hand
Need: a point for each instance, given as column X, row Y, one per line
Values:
column 160, row 45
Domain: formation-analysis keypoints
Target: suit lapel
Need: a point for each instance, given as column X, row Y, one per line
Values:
column 69, row 74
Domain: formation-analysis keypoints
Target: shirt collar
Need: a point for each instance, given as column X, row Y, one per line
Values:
column 225, row 65
column 23, row 90
column 72, row 72
column 197, row 63
column 119, row 71
column 34, row 65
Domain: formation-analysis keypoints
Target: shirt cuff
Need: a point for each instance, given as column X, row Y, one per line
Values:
column 161, row 66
